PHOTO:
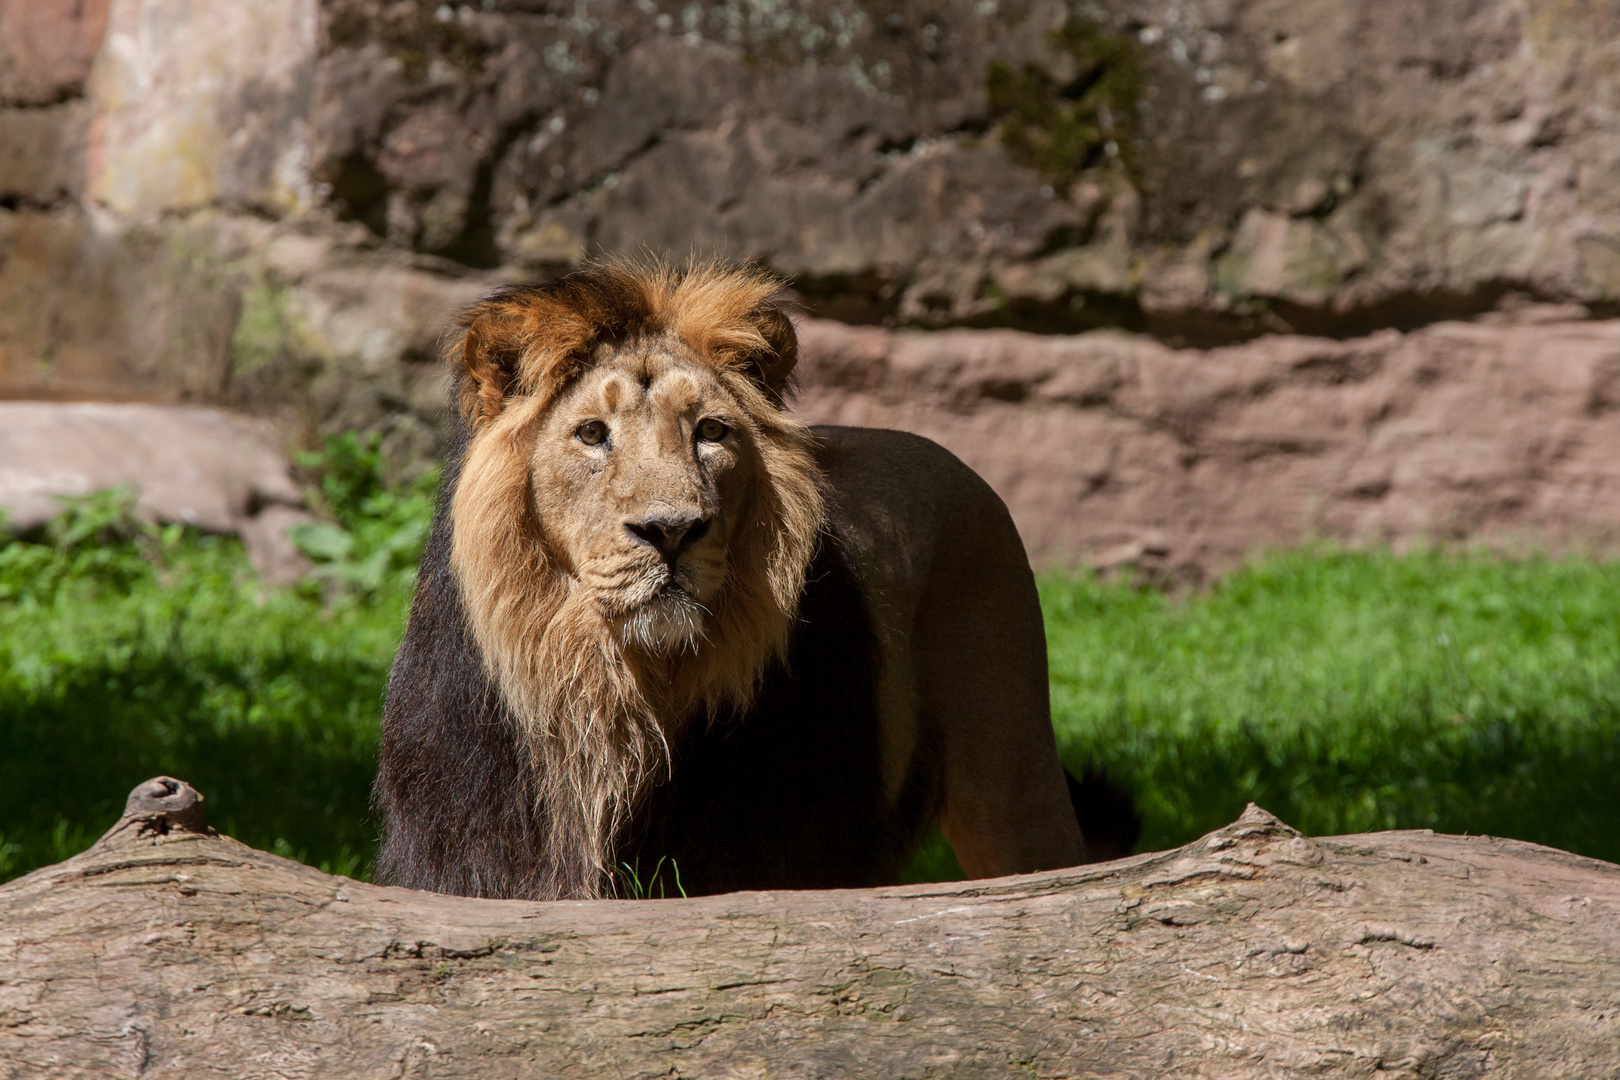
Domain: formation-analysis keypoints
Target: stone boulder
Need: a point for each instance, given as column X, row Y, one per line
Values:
column 218, row 471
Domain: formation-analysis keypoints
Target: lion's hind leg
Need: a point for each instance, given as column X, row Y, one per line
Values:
column 981, row 676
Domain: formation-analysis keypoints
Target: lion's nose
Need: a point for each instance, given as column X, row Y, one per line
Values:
column 671, row 534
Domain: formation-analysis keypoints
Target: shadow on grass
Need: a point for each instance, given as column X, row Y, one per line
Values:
column 1514, row 779
column 279, row 770
column 287, row 770
column 1523, row 779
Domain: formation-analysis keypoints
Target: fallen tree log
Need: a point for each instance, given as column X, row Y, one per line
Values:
column 168, row 951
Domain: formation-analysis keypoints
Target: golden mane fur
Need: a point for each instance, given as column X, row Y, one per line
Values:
column 595, row 705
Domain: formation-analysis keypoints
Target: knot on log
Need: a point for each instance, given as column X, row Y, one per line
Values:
column 163, row 803
column 1256, row 821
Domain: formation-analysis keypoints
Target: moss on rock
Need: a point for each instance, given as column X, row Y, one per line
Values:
column 1060, row 126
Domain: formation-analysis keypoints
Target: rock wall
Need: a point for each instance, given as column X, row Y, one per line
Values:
column 164, row 236
column 276, row 205
column 1114, row 449
column 1203, row 169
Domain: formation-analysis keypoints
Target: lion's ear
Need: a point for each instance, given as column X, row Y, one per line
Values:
column 485, row 361
column 772, row 367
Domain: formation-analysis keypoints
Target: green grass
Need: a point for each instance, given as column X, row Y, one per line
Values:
column 1342, row 691
column 1346, row 692
column 127, row 651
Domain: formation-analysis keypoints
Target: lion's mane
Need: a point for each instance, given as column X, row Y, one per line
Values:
column 593, row 711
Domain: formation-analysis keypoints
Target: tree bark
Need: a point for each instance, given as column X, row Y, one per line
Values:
column 168, row 951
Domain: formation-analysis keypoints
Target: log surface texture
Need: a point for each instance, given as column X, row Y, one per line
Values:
column 166, row 951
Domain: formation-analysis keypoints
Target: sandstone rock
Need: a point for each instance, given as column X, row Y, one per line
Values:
column 1316, row 165
column 46, row 51
column 215, row 308
column 1200, row 170
column 92, row 306
column 47, row 47
column 1196, row 169
column 1114, row 449
column 266, row 534
column 215, row 470
column 199, row 106
column 42, row 153
column 334, row 338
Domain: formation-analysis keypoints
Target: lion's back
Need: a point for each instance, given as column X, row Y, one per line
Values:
column 914, row 514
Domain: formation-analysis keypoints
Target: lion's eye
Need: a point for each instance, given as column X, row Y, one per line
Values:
column 592, row 432
column 711, row 430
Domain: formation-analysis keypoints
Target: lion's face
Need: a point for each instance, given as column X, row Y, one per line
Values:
column 640, row 471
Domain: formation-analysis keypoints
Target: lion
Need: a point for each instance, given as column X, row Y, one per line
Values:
column 659, row 617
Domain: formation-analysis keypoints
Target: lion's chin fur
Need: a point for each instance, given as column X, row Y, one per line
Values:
column 669, row 624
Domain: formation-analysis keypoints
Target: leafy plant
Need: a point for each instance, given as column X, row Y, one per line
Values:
column 374, row 538
column 128, row 651
column 97, row 543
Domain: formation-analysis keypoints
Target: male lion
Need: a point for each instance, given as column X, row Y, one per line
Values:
column 661, row 617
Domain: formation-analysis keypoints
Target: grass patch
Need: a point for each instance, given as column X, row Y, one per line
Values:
column 127, row 651
column 1342, row 691
column 1348, row 692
